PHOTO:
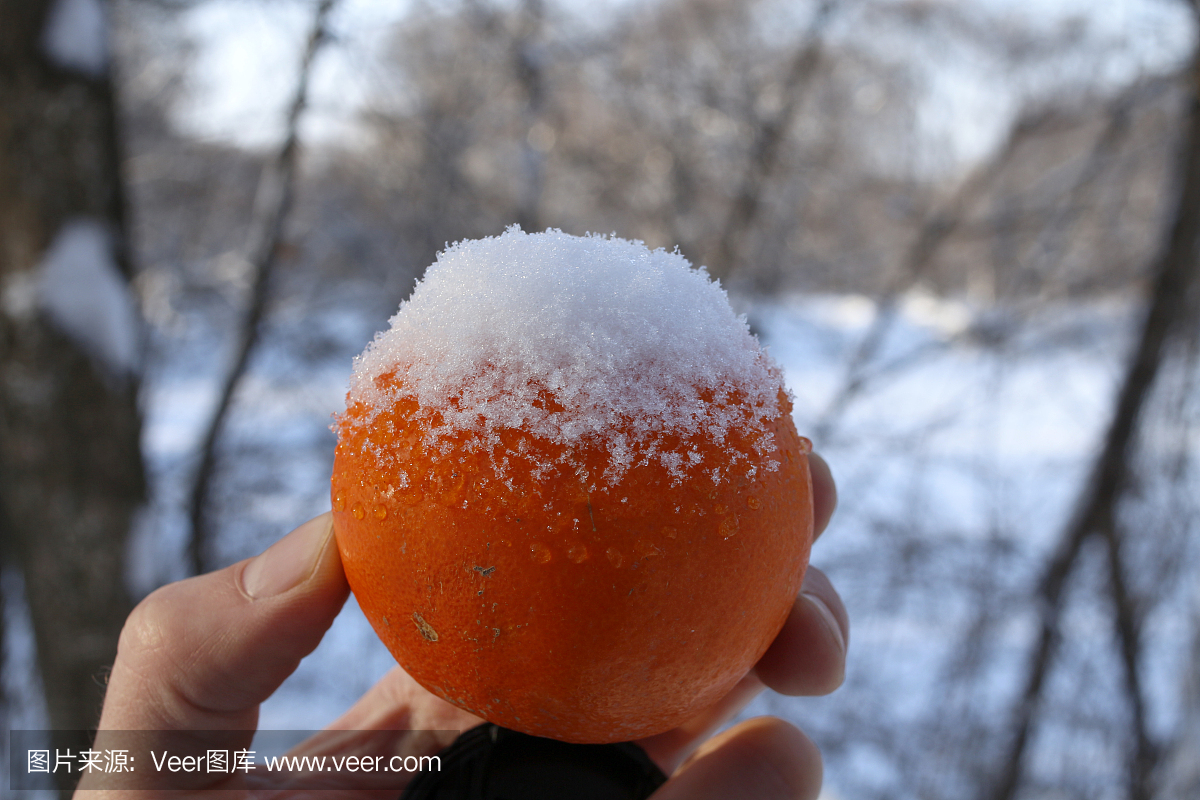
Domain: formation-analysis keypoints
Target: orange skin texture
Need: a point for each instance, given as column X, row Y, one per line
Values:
column 585, row 616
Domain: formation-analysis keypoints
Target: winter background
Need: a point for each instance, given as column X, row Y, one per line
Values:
column 960, row 409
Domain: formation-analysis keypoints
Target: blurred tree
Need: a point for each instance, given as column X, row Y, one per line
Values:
column 1171, row 313
column 272, row 204
column 70, row 466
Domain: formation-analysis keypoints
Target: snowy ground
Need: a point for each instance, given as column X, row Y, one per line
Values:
column 956, row 464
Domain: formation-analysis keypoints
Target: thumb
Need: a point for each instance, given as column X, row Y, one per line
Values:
column 201, row 654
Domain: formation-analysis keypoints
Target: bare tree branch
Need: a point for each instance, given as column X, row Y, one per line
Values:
column 1127, row 623
column 272, row 204
column 934, row 232
column 767, row 146
column 1054, row 234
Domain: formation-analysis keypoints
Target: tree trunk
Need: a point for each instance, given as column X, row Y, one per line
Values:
column 70, row 465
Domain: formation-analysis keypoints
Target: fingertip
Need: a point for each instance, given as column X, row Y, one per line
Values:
column 293, row 560
column 808, row 656
column 824, row 493
column 328, row 576
column 673, row 747
column 763, row 758
column 817, row 584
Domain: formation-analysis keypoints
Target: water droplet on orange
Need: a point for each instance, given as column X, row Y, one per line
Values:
column 380, row 512
column 670, row 532
column 359, row 513
column 754, row 502
column 805, row 444
column 541, row 554
column 614, row 556
column 578, row 553
column 728, row 526
column 720, row 509
column 339, row 503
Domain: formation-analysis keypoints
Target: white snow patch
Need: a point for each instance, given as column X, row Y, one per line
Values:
column 76, row 36
column 81, row 290
column 178, row 412
column 945, row 315
column 18, row 297
column 630, row 345
column 20, row 680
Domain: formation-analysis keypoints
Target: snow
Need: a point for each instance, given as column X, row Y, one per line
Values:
column 81, row 290
column 76, row 36
column 629, row 343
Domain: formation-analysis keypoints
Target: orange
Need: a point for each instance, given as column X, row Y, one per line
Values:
column 559, row 604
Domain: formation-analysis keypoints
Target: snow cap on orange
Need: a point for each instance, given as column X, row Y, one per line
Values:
column 630, row 343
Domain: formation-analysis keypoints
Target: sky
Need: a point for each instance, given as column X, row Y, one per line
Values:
column 239, row 38
column 247, row 51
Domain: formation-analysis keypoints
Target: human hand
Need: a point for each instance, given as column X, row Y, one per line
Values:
column 197, row 657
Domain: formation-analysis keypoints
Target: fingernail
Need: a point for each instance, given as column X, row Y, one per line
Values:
column 831, row 624
column 288, row 562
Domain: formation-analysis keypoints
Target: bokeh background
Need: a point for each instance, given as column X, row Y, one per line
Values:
column 967, row 229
